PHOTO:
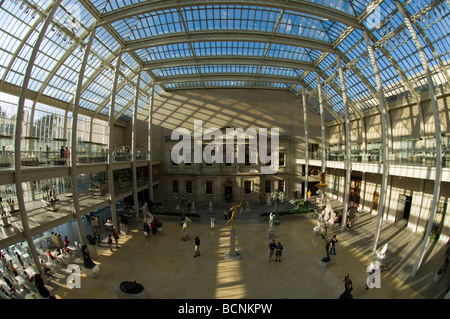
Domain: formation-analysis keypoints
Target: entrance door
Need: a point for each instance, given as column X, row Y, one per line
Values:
column 407, row 209
column 229, row 193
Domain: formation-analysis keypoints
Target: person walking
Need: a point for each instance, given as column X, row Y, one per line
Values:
column 272, row 247
column 110, row 242
column 153, row 226
column 278, row 252
column 197, row 246
column 333, row 242
column 116, row 237
column 66, row 243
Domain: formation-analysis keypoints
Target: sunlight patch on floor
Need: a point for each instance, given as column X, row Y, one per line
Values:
column 229, row 280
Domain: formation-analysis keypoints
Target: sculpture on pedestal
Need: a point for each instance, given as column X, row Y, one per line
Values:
column 327, row 248
column 271, row 216
column 322, row 180
column 348, row 288
column 88, row 263
column 210, row 207
column 268, row 200
column 233, row 213
column 147, row 215
column 185, row 228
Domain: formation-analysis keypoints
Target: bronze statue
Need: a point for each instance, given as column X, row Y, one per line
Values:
column 348, row 288
column 88, row 263
column 233, row 213
column 327, row 248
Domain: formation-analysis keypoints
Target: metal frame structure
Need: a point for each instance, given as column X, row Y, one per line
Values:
column 315, row 49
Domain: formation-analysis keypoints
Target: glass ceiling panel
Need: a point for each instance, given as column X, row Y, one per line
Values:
column 104, row 6
column 342, row 5
column 230, row 17
column 56, row 69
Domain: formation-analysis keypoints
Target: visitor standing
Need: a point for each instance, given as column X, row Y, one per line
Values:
column 278, row 252
column 272, row 247
column 349, row 222
column 116, row 237
column 67, row 155
column 66, row 243
column 110, row 242
column 197, row 246
column 333, row 242
column 153, row 225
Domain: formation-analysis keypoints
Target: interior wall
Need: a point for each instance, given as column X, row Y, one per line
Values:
column 235, row 108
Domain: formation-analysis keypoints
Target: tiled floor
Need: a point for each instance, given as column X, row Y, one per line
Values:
column 165, row 265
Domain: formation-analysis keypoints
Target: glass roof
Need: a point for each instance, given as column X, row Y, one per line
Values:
column 179, row 45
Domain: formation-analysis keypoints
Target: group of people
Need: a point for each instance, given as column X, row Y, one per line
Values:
column 152, row 227
column 277, row 249
column 64, row 153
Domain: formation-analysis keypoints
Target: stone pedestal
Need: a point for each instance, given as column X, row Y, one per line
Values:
column 91, row 272
column 437, row 277
column 324, row 264
column 271, row 233
column 123, row 229
column 124, row 295
column 92, row 250
column 232, row 253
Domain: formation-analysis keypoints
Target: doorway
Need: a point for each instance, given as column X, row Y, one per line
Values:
column 228, row 193
column 407, row 209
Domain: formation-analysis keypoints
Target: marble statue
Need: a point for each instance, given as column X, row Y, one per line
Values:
column 381, row 255
column 212, row 220
column 268, row 200
column 185, row 228
column 148, row 217
column 193, row 207
column 247, row 207
column 210, row 207
column 271, row 216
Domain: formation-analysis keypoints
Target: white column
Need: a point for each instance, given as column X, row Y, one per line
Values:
column 18, row 136
column 348, row 165
column 305, row 120
column 133, row 146
column 437, row 132
column 73, row 141
column 384, row 136
column 150, row 160
column 110, row 143
column 322, row 128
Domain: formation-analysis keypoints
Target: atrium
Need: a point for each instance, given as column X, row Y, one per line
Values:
column 339, row 109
